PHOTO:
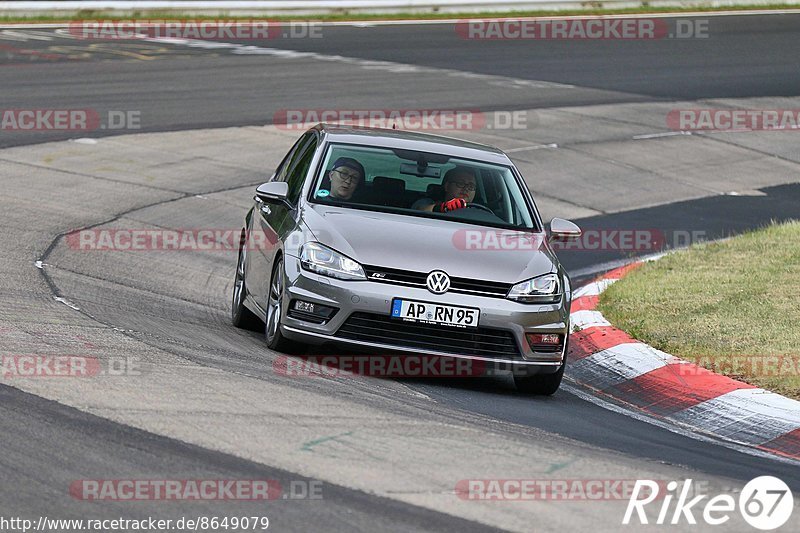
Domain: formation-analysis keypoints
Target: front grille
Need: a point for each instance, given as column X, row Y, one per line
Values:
column 482, row 342
column 493, row 289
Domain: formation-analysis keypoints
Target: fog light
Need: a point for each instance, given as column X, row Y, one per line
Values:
column 300, row 305
column 311, row 312
column 544, row 342
column 544, row 338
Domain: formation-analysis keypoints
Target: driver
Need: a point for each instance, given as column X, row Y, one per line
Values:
column 459, row 185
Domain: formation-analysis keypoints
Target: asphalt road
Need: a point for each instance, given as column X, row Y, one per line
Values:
column 176, row 87
column 171, row 310
column 54, row 445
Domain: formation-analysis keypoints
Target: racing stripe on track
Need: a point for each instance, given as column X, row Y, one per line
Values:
column 676, row 387
column 617, row 366
column 751, row 416
column 584, row 303
column 594, row 339
column 620, row 272
column 614, row 366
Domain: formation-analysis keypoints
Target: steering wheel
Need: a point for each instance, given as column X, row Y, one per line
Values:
column 480, row 206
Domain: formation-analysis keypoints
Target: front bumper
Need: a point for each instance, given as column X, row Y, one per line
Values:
column 376, row 298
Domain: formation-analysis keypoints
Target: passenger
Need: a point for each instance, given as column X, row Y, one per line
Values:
column 343, row 180
column 459, row 186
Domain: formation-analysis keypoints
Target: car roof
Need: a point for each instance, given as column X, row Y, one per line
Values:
column 412, row 140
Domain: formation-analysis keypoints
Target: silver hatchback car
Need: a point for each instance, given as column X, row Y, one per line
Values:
column 405, row 243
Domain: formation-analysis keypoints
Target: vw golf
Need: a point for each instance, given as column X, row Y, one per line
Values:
column 400, row 242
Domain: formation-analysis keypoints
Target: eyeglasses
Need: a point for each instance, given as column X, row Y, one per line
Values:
column 347, row 177
column 464, row 186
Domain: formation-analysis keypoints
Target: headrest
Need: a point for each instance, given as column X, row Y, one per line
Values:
column 388, row 186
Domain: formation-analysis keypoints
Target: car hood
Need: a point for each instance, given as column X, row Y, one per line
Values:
column 423, row 244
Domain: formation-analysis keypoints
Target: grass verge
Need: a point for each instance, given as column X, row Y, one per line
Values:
column 344, row 16
column 730, row 306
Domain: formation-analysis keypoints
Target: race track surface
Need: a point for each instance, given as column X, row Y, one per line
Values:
column 203, row 400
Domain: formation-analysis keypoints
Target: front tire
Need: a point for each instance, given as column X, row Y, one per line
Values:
column 272, row 328
column 241, row 316
column 542, row 384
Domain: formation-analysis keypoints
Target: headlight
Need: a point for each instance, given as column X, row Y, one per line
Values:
column 322, row 260
column 543, row 289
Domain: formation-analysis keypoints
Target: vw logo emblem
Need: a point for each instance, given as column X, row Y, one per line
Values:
column 438, row 282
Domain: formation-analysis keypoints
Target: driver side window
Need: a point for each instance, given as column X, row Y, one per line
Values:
column 301, row 162
column 288, row 160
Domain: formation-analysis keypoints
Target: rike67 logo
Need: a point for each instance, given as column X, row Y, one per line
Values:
column 765, row 503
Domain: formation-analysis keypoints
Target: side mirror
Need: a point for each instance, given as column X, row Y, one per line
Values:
column 564, row 230
column 273, row 192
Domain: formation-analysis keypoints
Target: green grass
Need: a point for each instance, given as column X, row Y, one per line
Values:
column 344, row 16
column 731, row 306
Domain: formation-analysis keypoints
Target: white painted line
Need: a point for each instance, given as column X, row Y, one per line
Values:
column 500, row 17
column 388, row 66
column 659, row 135
column 24, row 36
column 66, row 302
column 412, row 21
column 751, row 192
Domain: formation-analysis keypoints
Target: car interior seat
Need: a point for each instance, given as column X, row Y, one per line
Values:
column 387, row 191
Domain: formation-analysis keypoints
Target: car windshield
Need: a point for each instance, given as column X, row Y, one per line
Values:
column 417, row 183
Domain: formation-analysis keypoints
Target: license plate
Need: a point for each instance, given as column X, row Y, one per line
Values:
column 430, row 313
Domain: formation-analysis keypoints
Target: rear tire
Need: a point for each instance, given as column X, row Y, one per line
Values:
column 542, row 384
column 241, row 316
column 272, row 328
